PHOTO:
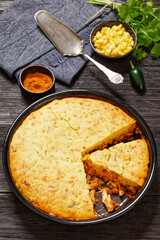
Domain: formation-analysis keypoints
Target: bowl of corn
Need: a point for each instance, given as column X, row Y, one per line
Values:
column 113, row 39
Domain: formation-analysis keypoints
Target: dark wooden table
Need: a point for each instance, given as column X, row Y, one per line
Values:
column 143, row 221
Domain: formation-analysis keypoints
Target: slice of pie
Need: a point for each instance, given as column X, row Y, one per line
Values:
column 124, row 162
column 96, row 122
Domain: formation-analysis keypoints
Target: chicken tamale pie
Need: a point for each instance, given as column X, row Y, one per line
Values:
column 66, row 151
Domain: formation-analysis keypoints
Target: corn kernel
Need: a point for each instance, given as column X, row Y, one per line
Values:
column 115, row 41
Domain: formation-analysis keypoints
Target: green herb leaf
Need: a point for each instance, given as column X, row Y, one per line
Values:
column 156, row 50
column 149, row 3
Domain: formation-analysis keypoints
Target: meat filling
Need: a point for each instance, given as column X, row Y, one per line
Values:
column 107, row 182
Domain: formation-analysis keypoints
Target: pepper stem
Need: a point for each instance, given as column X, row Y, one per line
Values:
column 132, row 66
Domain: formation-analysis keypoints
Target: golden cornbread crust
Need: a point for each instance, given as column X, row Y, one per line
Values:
column 46, row 153
column 129, row 161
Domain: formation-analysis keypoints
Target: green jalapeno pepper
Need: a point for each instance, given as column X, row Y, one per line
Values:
column 137, row 78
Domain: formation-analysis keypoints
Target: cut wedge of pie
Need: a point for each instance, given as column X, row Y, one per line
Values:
column 124, row 162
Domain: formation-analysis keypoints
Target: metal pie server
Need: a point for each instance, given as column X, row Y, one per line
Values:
column 68, row 42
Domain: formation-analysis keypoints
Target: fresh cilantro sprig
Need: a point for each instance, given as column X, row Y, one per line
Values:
column 144, row 18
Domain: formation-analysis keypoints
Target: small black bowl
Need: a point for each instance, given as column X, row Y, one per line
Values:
column 110, row 24
column 33, row 69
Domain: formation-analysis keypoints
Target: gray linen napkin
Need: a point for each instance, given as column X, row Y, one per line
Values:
column 22, row 43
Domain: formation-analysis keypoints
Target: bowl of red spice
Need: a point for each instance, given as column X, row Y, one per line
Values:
column 36, row 81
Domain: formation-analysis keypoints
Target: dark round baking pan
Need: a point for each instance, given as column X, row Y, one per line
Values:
column 125, row 203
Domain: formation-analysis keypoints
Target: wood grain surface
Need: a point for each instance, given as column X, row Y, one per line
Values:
column 141, row 222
